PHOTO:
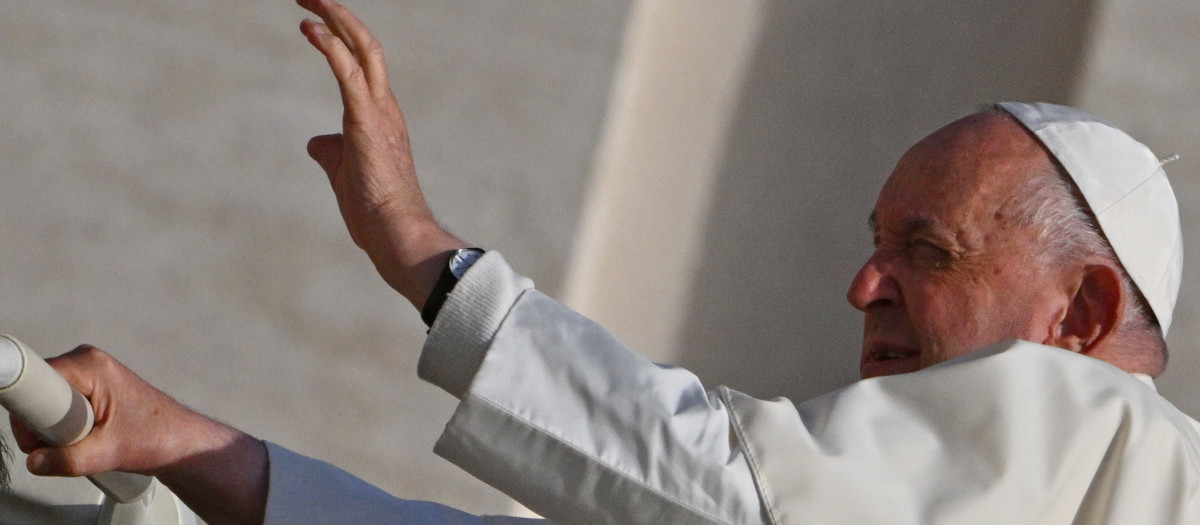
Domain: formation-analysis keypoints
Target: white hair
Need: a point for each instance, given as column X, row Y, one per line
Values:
column 1067, row 231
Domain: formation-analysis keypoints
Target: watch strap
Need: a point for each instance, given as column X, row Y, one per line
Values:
column 445, row 283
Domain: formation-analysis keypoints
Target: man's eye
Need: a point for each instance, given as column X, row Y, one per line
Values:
column 929, row 254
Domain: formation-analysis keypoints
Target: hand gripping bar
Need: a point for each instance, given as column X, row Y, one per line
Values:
column 57, row 413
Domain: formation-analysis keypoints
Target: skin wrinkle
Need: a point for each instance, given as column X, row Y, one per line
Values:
column 1068, row 233
column 949, row 273
column 981, row 238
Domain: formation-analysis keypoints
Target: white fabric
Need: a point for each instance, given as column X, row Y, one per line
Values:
column 580, row 434
column 1124, row 184
column 307, row 491
column 1016, row 433
column 563, row 417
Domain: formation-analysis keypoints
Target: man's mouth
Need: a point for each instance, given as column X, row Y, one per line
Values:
column 881, row 359
column 891, row 354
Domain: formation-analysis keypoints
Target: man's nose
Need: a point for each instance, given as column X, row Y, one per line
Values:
column 872, row 286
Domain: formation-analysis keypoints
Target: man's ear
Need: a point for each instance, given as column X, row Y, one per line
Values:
column 1095, row 309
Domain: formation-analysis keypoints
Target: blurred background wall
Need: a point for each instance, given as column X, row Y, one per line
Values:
column 695, row 175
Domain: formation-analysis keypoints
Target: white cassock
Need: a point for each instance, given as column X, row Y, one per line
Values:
column 564, row 418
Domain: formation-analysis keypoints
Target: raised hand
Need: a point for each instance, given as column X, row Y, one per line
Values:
column 370, row 163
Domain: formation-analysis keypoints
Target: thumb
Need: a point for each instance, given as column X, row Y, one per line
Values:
column 327, row 151
column 81, row 459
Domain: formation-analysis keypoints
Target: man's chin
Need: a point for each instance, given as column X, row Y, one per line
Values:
column 890, row 367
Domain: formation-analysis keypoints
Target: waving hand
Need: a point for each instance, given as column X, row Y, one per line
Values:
column 370, row 164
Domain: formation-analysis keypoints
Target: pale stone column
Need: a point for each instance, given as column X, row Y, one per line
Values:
column 677, row 86
column 674, row 94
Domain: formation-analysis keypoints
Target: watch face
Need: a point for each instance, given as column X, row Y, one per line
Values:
column 462, row 260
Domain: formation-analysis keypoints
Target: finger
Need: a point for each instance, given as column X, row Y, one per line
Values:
column 357, row 38
column 349, row 75
column 81, row 459
column 27, row 440
column 364, row 45
column 327, row 12
column 327, row 151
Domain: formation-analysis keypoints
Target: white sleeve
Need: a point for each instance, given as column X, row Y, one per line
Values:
column 567, row 420
column 305, row 490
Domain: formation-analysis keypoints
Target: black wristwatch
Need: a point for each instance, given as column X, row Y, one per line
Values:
column 460, row 261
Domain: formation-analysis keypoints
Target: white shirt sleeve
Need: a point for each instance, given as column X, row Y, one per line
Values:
column 570, row 422
column 565, row 419
column 558, row 414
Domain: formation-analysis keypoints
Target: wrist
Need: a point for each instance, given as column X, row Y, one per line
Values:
column 412, row 263
column 191, row 444
column 456, row 267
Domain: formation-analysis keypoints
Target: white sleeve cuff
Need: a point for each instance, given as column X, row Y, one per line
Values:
column 467, row 322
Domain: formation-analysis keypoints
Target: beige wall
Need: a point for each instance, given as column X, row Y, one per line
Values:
column 837, row 93
column 833, row 93
column 157, row 201
column 1141, row 72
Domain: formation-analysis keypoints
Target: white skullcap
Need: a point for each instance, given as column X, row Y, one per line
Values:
column 1124, row 184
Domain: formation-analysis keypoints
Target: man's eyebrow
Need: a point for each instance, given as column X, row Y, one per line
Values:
column 912, row 225
column 919, row 224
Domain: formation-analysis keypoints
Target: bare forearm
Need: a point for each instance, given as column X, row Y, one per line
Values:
column 222, row 473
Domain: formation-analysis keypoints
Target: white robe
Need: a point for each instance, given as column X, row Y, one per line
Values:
column 560, row 415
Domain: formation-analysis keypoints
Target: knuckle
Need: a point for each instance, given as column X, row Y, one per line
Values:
column 88, row 353
column 356, row 79
column 374, row 47
column 27, row 442
column 88, row 356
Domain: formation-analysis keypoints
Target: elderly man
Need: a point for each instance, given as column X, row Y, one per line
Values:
column 1026, row 266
